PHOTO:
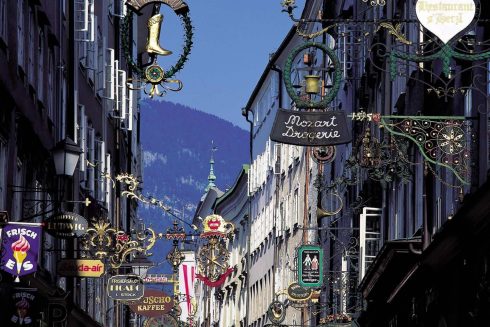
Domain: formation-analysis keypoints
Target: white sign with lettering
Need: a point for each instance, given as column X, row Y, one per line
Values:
column 445, row 18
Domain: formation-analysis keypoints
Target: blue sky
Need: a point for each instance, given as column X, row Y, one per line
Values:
column 232, row 43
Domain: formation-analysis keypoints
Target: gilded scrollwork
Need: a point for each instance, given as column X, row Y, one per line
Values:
column 102, row 241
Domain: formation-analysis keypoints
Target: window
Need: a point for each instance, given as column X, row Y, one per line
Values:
column 296, row 207
column 84, row 20
column 100, row 75
column 3, row 20
column 31, row 72
column 117, row 8
column 50, row 92
column 108, row 181
column 17, row 197
column 40, row 66
column 82, row 139
column 369, row 237
column 90, row 150
column 99, row 170
column 3, row 173
column 20, row 33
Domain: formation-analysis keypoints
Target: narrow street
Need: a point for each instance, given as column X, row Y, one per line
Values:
column 310, row 163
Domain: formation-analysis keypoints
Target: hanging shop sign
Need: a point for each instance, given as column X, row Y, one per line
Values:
column 158, row 279
column 216, row 226
column 125, row 287
column 20, row 248
column 154, row 303
column 166, row 320
column 310, row 266
column 310, row 128
column 150, row 77
column 85, row 268
column 22, row 307
column 213, row 258
column 66, row 225
column 445, row 18
column 276, row 312
column 324, row 154
column 297, row 292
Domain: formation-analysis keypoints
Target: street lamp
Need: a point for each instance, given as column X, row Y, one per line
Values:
column 65, row 156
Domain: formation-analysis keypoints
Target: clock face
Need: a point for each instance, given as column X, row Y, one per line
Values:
column 163, row 321
column 154, row 74
column 213, row 260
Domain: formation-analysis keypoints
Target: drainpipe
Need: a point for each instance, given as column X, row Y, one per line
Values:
column 274, row 229
column 279, row 83
column 245, row 112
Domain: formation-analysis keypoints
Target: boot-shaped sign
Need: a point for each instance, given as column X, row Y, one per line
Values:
column 154, row 80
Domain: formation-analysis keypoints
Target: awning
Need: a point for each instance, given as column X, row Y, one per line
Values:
column 388, row 273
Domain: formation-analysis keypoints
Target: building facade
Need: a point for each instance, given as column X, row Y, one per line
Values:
column 233, row 206
column 63, row 75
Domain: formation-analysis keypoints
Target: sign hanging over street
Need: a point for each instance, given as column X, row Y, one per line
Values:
column 445, row 18
column 158, row 279
column 20, row 248
column 297, row 292
column 310, row 266
column 310, row 128
column 154, row 303
column 125, row 287
column 66, row 225
column 80, row 268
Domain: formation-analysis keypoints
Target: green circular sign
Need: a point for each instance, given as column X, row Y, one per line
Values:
column 337, row 77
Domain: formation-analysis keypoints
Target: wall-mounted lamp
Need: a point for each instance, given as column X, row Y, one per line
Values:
column 65, row 156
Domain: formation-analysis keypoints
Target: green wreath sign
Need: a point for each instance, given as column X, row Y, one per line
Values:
column 188, row 29
column 337, row 78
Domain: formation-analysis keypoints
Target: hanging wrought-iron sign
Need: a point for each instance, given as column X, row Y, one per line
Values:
column 66, row 225
column 310, row 128
column 154, row 303
column 81, row 268
column 276, row 312
column 153, row 78
column 212, row 258
column 103, row 241
column 297, row 292
column 324, row 154
column 310, row 266
column 312, row 80
column 166, row 320
column 125, row 287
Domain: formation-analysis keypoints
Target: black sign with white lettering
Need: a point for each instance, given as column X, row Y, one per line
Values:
column 66, row 225
column 310, row 128
column 125, row 287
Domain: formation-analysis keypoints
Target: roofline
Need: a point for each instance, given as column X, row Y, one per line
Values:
column 244, row 171
column 270, row 64
column 277, row 54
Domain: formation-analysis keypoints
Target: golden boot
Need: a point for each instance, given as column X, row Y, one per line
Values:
column 152, row 47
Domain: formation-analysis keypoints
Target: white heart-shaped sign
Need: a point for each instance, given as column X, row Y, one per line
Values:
column 445, row 18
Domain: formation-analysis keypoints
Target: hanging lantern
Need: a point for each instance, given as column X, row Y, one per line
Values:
column 370, row 151
column 311, row 84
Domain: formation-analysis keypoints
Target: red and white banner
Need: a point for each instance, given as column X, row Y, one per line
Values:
column 187, row 281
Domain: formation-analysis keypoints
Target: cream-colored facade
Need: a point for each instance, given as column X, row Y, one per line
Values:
column 282, row 195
